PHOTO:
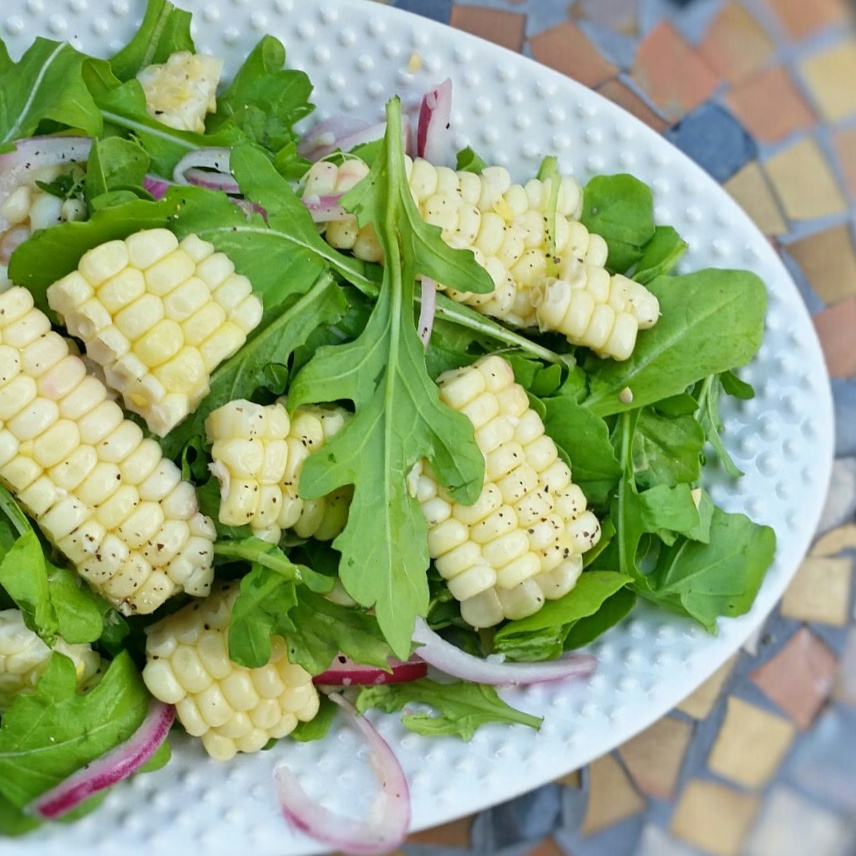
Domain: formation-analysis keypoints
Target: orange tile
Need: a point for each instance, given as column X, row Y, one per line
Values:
column 769, row 105
column 547, row 847
column 801, row 18
column 454, row 834
column 845, row 147
column 672, row 72
column 496, row 25
column 566, row 48
column 752, row 192
column 799, row 678
column 804, row 182
column 612, row 797
column 835, row 326
column 619, row 92
column 829, row 74
column 735, row 44
column 654, row 758
column 828, row 260
column 713, row 818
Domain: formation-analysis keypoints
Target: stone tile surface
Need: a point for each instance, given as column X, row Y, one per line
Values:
column 820, row 591
column 625, row 96
column 802, row 18
column 829, row 74
column 828, row 260
column 844, row 141
column 735, row 43
column 612, row 796
column 845, row 679
column 567, row 49
column 499, row 26
column 751, row 189
column 654, row 758
column 701, row 702
column 834, row 326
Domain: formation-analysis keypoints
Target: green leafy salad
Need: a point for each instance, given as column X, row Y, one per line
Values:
column 337, row 329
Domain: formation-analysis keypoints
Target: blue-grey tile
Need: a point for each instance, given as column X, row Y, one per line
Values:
column 436, row 10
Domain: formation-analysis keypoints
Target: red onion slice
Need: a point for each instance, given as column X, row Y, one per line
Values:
column 432, row 127
column 451, row 660
column 324, row 208
column 211, row 180
column 388, row 817
column 214, row 158
column 344, row 672
column 109, row 769
column 338, row 132
column 426, row 312
column 156, row 186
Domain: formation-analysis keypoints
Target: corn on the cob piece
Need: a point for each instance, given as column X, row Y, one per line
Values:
column 181, row 91
column 104, row 495
column 158, row 316
column 24, row 656
column 232, row 708
column 258, row 454
column 523, row 540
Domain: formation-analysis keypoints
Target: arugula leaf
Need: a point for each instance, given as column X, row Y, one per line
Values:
column 23, row 573
column 319, row 726
column 589, row 627
column 399, row 418
column 660, row 254
column 115, row 164
column 469, row 160
column 669, row 510
column 667, row 450
column 46, row 84
column 711, row 422
column 460, row 707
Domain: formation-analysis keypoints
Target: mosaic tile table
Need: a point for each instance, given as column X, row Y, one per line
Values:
column 761, row 760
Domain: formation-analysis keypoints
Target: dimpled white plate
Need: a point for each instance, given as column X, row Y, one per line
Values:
column 514, row 112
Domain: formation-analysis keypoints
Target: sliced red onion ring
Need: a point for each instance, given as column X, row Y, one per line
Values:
column 156, row 186
column 211, row 180
column 214, row 158
column 324, row 208
column 35, row 153
column 338, row 132
column 116, row 765
column 451, row 660
column 432, row 127
column 388, row 818
column 426, row 312
column 344, row 672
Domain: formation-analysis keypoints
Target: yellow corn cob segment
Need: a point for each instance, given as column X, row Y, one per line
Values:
column 24, row 656
column 102, row 494
column 232, row 708
column 258, row 454
column 524, row 538
column 158, row 316
column 507, row 227
column 181, row 91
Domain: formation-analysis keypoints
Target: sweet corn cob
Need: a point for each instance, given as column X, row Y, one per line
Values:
column 101, row 493
column 181, row 91
column 232, row 708
column 258, row 454
column 24, row 656
column 158, row 316
column 523, row 540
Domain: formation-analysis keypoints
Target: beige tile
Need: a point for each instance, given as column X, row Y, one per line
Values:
column 828, row 260
column 820, row 591
column 619, row 92
column 566, row 48
column 496, row 25
column 619, row 15
column 802, row 18
column 844, row 141
column 803, row 181
column 701, row 702
column 799, row 678
column 751, row 190
column 750, row 745
column 454, row 834
column 714, row 818
column 835, row 326
column 571, row 780
column 836, row 540
column 612, row 797
column 735, row 44
column 654, row 758
column 830, row 74
column 673, row 74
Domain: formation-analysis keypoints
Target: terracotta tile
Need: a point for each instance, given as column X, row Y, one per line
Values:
column 803, row 181
column 828, row 260
column 835, row 541
column 619, row 92
column 496, row 25
column 735, row 44
column 454, row 834
column 829, row 75
column 654, row 758
column 714, row 818
column 751, row 190
column 800, row 18
column 547, row 847
column 750, row 745
column 671, row 72
column 566, row 48
column 701, row 702
column 800, row 677
column 770, row 105
column 844, row 141
column 618, row 15
column 835, row 326
column 820, row 591
column 571, row 780
column 845, row 680
column 612, row 796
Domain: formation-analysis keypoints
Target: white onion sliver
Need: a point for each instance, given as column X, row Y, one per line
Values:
column 211, row 180
column 215, row 158
column 389, row 815
column 451, row 660
column 432, row 127
column 109, row 769
column 338, row 132
column 426, row 312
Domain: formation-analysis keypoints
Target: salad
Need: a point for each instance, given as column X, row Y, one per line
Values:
column 334, row 292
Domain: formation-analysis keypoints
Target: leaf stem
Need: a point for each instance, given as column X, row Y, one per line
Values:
column 13, row 511
column 259, row 552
